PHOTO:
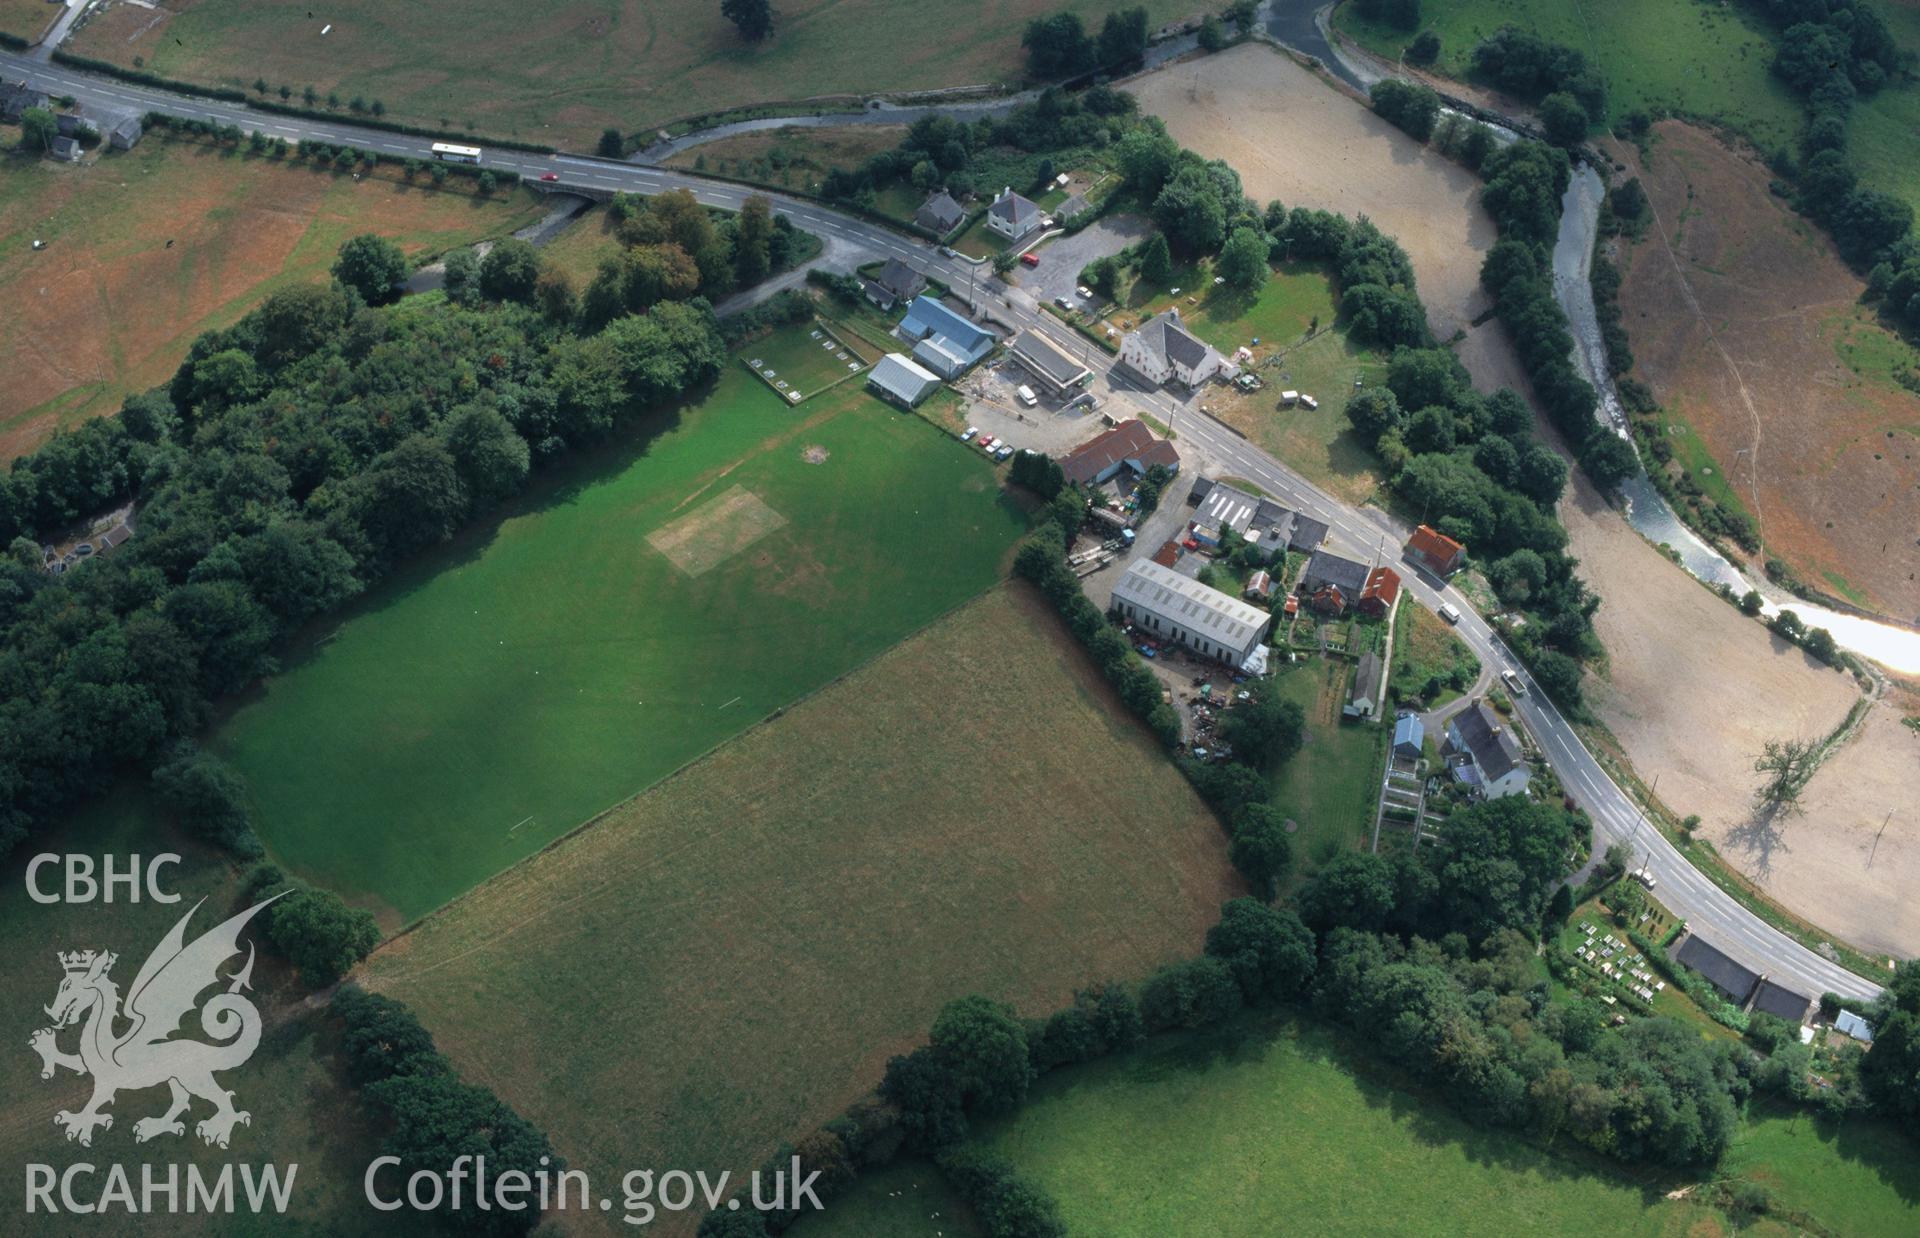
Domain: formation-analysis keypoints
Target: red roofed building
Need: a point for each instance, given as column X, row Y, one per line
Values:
column 1128, row 445
column 1382, row 591
column 1435, row 551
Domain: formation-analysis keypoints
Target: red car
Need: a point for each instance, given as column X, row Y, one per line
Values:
column 1032, row 260
column 549, row 176
column 986, row 440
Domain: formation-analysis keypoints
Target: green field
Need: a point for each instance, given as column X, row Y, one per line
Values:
column 804, row 363
column 496, row 694
column 1884, row 132
column 26, row 18
column 560, row 74
column 1298, row 297
column 728, row 960
column 1425, row 646
column 1331, row 785
column 1706, row 61
column 302, row 1112
column 1275, row 1127
column 907, row 1199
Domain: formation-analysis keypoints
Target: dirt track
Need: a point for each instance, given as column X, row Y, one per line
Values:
column 1693, row 688
column 1760, row 370
column 1294, row 136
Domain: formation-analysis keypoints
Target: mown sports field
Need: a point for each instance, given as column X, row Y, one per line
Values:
column 634, row 612
column 730, row 958
column 560, row 74
column 1273, row 1126
column 147, row 249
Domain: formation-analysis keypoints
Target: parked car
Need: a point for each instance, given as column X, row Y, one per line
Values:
column 966, row 435
column 1032, row 260
column 83, row 549
column 1086, row 293
column 1514, row 685
column 986, row 440
column 1002, row 452
column 1449, row 612
column 1148, row 651
column 1065, row 303
column 1026, row 395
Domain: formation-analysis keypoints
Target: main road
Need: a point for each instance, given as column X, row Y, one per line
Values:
column 1362, row 532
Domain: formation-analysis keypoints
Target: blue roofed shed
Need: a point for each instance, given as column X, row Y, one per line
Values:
column 948, row 342
column 1409, row 737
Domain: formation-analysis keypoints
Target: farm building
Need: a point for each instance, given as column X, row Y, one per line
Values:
column 899, row 381
column 940, row 214
column 1269, row 526
column 1409, row 737
column 1055, row 371
column 893, row 283
column 1162, row 351
column 1181, row 609
column 1363, row 698
column 943, row 341
column 1129, row 445
column 1334, row 583
column 1435, row 551
column 1484, row 753
column 1013, row 216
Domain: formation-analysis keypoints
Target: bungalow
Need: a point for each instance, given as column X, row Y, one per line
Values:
column 1435, row 551
column 895, row 282
column 1483, row 753
column 943, row 341
column 1364, row 697
column 899, row 381
column 17, row 97
column 939, row 214
column 1409, row 737
column 1163, row 351
column 1052, row 367
column 1013, row 217
column 1129, row 445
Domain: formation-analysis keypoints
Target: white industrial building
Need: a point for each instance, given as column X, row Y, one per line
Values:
column 1179, row 608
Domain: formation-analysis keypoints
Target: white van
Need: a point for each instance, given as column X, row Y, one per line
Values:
column 1027, row 397
column 1449, row 612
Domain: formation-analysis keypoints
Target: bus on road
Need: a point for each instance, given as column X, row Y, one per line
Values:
column 456, row 154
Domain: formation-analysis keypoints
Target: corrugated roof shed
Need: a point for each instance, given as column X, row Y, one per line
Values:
column 1194, row 606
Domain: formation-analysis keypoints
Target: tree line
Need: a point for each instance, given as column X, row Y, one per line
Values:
column 293, row 459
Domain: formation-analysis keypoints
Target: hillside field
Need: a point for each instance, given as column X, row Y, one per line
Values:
column 563, row 73
column 1249, row 1129
column 302, row 1111
column 638, row 608
column 148, row 249
column 732, row 956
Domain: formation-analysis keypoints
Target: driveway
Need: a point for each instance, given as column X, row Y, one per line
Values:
column 1062, row 258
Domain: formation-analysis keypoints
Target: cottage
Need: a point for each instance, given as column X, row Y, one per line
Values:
column 893, row 283
column 1129, row 445
column 1363, row 698
column 1409, row 737
column 1735, row 980
column 1333, row 582
column 1056, row 372
column 1776, row 999
column 1306, row 533
column 17, row 97
column 1382, row 591
column 943, row 341
column 1013, row 217
column 899, row 381
column 1162, row 351
column 1483, row 753
column 939, row 214
column 124, row 132
column 1177, row 608
column 1435, row 551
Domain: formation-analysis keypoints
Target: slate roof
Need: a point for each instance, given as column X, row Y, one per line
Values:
column 17, row 97
column 1731, row 978
column 1366, row 678
column 1409, row 732
column 1307, row 532
column 1781, row 1002
column 901, row 280
column 1130, row 440
column 940, row 213
column 1013, row 208
column 1489, row 741
column 1167, row 336
column 1202, row 487
column 1327, row 568
column 66, row 148
column 1041, row 354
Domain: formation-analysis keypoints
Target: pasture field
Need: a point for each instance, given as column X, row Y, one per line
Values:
column 907, row 1199
column 302, row 1110
column 1320, row 443
column 1249, row 1129
column 730, row 958
column 1707, row 61
column 799, row 158
column 563, row 74
column 1425, row 646
column 147, row 249
column 26, row 18
column 1298, row 297
column 1330, row 785
column 501, row 691
column 1881, row 131
column 582, row 246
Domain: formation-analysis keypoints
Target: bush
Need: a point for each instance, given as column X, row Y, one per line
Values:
column 208, row 797
column 319, row 933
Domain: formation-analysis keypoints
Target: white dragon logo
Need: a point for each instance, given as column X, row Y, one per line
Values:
column 143, row 1056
